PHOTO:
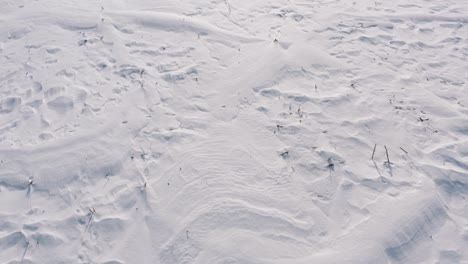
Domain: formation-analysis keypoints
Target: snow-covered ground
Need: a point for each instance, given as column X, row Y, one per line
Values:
column 233, row 131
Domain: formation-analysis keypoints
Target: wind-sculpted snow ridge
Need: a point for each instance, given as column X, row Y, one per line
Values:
column 233, row 132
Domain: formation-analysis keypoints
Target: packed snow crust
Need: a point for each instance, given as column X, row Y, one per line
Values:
column 233, row 131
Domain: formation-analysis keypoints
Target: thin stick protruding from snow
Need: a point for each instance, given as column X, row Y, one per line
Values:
column 25, row 251
column 386, row 151
column 404, row 150
column 373, row 152
column 92, row 213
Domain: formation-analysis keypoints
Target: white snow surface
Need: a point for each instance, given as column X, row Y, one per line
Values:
column 233, row 131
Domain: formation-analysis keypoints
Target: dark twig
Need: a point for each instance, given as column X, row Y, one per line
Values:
column 373, row 152
column 25, row 251
column 386, row 151
column 92, row 213
column 404, row 150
